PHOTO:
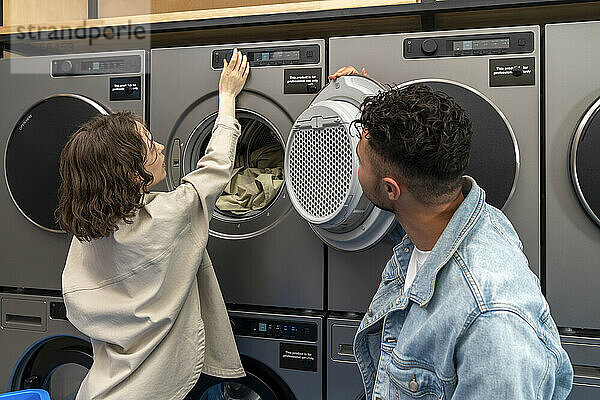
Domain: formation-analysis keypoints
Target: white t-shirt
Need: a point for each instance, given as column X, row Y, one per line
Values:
column 417, row 259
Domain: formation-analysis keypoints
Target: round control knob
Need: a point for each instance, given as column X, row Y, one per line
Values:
column 517, row 71
column 429, row 46
column 66, row 66
column 128, row 89
column 312, row 87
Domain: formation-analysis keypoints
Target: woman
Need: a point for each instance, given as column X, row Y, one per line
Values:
column 137, row 259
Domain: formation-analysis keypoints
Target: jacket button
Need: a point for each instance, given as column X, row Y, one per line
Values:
column 413, row 386
column 406, row 250
column 398, row 301
column 370, row 312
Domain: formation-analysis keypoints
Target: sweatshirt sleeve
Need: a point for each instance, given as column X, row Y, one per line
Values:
column 213, row 170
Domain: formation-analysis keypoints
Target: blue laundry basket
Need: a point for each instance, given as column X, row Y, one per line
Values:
column 29, row 394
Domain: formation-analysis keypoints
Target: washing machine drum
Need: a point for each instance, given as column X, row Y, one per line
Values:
column 322, row 165
column 584, row 161
column 33, row 154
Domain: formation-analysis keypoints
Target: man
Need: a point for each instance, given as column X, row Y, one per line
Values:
column 458, row 313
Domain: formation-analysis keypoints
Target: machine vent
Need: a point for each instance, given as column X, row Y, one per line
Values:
column 320, row 169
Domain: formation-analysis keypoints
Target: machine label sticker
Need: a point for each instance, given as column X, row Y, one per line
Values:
column 128, row 88
column 512, row 72
column 298, row 356
column 302, row 80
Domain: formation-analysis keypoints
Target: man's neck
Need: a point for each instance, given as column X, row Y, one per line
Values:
column 424, row 224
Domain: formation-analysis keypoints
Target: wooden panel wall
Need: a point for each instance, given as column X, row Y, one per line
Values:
column 40, row 12
column 118, row 8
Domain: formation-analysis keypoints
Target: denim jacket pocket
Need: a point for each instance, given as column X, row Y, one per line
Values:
column 412, row 382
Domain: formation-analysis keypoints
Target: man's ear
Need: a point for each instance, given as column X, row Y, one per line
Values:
column 392, row 188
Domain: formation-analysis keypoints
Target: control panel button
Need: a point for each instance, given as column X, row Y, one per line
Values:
column 521, row 42
column 66, row 66
column 429, row 46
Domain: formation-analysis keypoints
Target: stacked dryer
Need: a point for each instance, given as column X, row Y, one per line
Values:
column 267, row 258
column 262, row 257
column 43, row 101
column 573, row 195
column 492, row 73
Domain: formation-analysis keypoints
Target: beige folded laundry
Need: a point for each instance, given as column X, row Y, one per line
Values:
column 253, row 188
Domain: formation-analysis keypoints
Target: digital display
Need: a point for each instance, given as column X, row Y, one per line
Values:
column 291, row 55
column 262, row 327
column 100, row 65
column 484, row 44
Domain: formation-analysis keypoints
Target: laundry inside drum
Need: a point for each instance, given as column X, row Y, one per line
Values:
column 258, row 175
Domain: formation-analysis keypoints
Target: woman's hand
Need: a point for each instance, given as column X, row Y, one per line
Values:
column 344, row 71
column 233, row 78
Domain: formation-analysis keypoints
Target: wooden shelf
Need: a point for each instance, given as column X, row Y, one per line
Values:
column 213, row 15
column 295, row 20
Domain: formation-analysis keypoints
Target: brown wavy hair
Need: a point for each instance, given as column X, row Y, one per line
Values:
column 103, row 179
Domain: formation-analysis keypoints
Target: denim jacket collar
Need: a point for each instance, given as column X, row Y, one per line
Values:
column 460, row 224
column 458, row 228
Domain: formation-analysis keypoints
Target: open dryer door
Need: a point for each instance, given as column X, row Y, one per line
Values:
column 322, row 168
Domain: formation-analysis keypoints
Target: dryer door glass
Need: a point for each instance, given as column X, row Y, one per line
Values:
column 260, row 383
column 585, row 162
column 33, row 154
column 494, row 159
column 254, row 200
column 233, row 391
column 57, row 365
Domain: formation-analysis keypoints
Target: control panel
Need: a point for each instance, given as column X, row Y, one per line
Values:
column 275, row 329
column 96, row 66
column 469, row 45
column 272, row 56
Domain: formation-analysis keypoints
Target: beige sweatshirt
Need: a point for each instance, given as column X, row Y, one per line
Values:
column 147, row 295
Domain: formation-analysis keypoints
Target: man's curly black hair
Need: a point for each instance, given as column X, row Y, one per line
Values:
column 422, row 135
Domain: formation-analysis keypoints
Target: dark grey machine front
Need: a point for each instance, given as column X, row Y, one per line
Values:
column 43, row 101
column 572, row 195
column 494, row 75
column 40, row 348
column 282, row 357
column 266, row 257
column 343, row 376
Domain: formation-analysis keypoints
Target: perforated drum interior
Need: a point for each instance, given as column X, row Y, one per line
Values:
column 320, row 170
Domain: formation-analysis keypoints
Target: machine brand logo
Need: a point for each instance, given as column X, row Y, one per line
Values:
column 25, row 122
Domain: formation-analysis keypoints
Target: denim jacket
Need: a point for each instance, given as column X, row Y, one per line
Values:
column 473, row 325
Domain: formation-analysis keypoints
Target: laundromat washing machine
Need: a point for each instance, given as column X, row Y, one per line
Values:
column 40, row 348
column 42, row 103
column 492, row 73
column 281, row 354
column 264, row 254
column 573, row 196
